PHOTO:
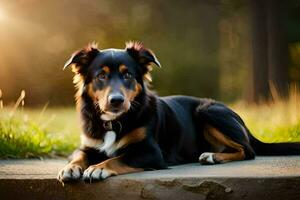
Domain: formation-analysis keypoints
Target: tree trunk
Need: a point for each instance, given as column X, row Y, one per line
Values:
column 277, row 47
column 259, row 90
column 269, row 50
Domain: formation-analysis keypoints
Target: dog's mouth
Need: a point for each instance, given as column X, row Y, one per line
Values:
column 116, row 109
column 110, row 113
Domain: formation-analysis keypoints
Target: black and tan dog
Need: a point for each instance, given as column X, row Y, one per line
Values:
column 127, row 128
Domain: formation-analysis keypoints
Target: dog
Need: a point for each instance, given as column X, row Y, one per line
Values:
column 127, row 128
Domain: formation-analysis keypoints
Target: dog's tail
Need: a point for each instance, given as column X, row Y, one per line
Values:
column 274, row 149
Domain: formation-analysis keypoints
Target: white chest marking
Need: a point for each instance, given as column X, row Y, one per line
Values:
column 108, row 145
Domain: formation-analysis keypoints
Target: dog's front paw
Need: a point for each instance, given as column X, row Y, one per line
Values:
column 70, row 172
column 96, row 173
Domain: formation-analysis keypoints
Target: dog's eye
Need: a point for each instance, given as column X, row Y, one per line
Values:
column 127, row 75
column 102, row 76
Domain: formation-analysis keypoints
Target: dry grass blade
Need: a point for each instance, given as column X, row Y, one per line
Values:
column 19, row 101
column 1, row 101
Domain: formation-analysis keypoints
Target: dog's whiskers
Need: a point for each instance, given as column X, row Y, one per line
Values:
column 97, row 108
column 136, row 102
column 135, row 105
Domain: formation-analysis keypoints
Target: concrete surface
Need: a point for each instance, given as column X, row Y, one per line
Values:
column 265, row 177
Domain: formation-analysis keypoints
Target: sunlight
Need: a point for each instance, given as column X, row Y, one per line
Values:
column 2, row 15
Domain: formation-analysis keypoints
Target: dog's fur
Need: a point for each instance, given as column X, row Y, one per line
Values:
column 127, row 128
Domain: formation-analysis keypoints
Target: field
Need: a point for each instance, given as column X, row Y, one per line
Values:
column 52, row 132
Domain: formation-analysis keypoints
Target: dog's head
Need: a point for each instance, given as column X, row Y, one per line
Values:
column 112, row 78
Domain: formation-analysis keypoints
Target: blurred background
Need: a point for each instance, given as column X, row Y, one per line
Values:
column 243, row 52
column 225, row 49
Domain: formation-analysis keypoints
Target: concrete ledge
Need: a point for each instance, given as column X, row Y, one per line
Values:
column 266, row 177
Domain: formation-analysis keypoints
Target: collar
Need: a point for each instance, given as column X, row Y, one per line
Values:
column 113, row 125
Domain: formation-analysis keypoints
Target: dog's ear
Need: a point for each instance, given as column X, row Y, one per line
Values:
column 81, row 59
column 142, row 55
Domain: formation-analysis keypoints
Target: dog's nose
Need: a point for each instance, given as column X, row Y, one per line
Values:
column 116, row 100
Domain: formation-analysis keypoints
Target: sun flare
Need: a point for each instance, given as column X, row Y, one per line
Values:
column 2, row 15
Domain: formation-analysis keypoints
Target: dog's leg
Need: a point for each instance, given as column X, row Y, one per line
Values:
column 134, row 157
column 220, row 143
column 73, row 170
column 225, row 131
column 105, row 169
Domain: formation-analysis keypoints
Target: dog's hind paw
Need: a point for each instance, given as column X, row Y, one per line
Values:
column 207, row 158
column 70, row 172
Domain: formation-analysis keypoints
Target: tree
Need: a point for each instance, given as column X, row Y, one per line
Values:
column 269, row 50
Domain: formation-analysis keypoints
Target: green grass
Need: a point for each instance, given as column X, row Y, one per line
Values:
column 33, row 133
column 55, row 131
column 277, row 121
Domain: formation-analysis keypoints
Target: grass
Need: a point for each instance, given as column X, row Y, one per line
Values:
column 51, row 132
column 55, row 133
column 276, row 121
column 26, row 133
